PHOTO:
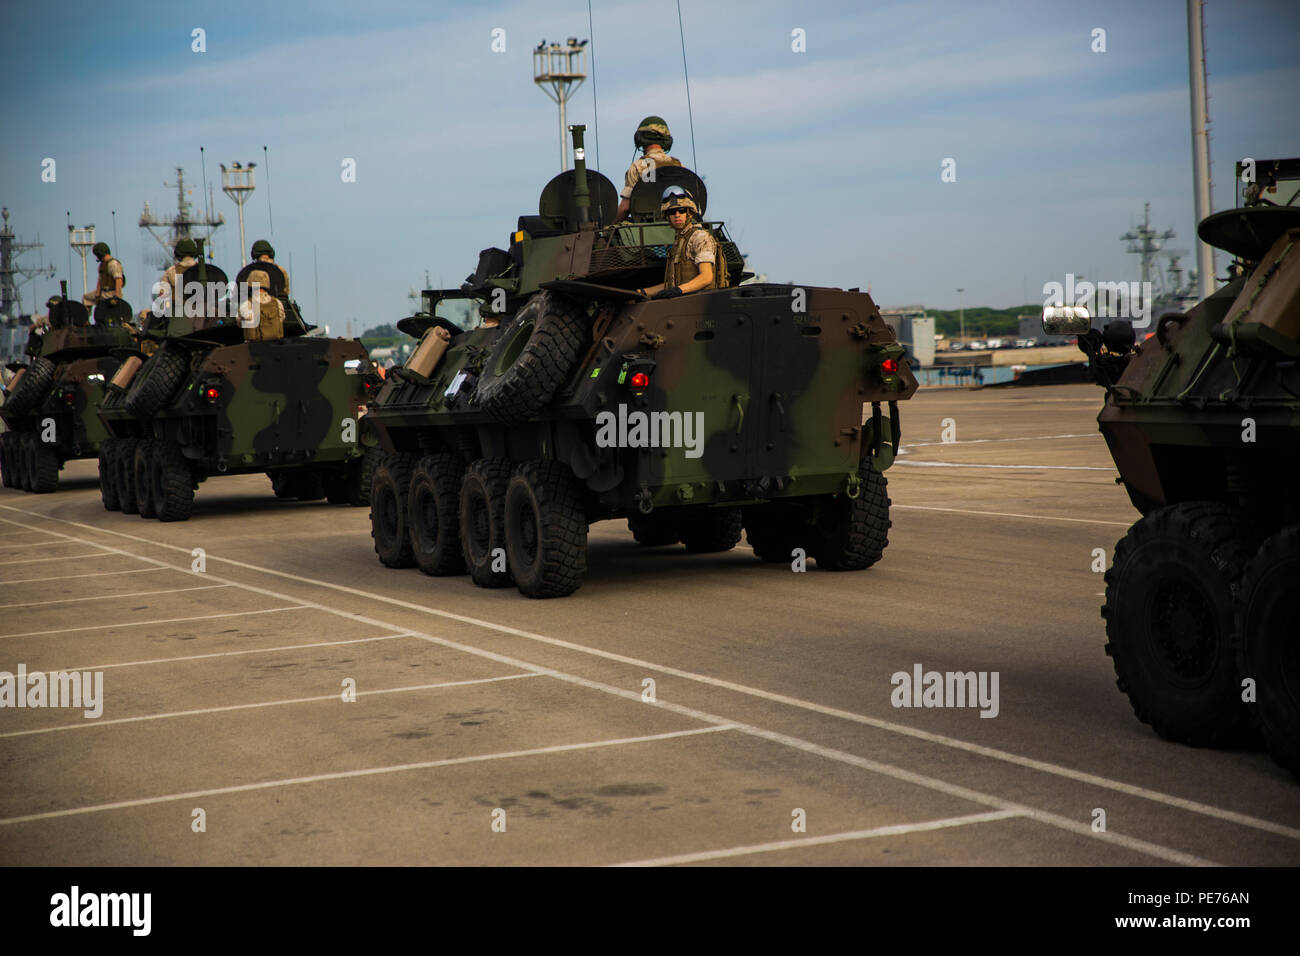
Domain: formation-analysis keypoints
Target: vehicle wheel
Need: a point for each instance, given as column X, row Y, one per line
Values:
column 108, row 475
column 282, row 483
column 32, row 388
column 360, row 473
column 388, row 518
column 534, row 356
column 482, row 522
column 711, row 530
column 653, row 530
column 156, row 383
column 1268, row 644
column 546, row 530
column 124, row 462
column 433, row 515
column 1170, row 603
column 774, row 530
column 27, row 458
column 308, row 485
column 173, row 483
column 8, row 460
column 852, row 533
column 336, row 485
column 44, row 467
column 142, row 475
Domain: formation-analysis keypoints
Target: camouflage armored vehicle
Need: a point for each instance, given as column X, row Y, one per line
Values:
column 49, row 408
column 201, row 400
column 748, row 406
column 1203, row 421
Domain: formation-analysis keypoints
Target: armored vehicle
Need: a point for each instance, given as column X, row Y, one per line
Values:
column 1202, row 419
column 49, row 408
column 753, row 406
column 201, row 399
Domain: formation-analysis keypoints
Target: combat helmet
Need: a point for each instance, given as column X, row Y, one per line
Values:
column 260, row 279
column 675, row 197
column 100, row 249
column 653, row 129
column 262, row 248
column 186, row 247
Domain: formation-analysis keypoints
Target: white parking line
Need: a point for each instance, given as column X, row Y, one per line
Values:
column 958, row 464
column 169, row 620
column 253, row 650
column 997, row 514
column 64, row 577
column 30, row 545
column 110, row 597
column 62, row 557
column 796, row 743
column 91, row 724
column 985, row 441
column 886, row 831
column 368, row 772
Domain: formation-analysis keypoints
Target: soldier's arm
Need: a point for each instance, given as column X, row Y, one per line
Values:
column 118, row 277
column 701, row 281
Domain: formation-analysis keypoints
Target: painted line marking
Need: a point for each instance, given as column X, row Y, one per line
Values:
column 63, row 557
column 909, row 776
column 110, row 597
column 985, row 441
column 90, row 723
column 1012, row 514
column 886, row 831
column 64, row 577
column 254, row 650
column 957, row 464
column 169, row 620
column 368, row 772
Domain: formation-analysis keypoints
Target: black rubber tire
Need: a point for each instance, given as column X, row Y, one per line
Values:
column 336, row 486
column 124, row 462
column 545, row 529
column 711, row 530
column 655, row 530
column 142, row 476
column 172, row 483
column 852, row 533
column 1268, row 644
column 482, row 520
column 282, row 484
column 44, row 465
column 774, row 530
column 360, row 473
column 32, row 388
column 1171, row 595
column 157, row 382
column 308, row 485
column 534, row 355
column 433, row 515
column 388, row 519
column 108, row 476
column 8, row 460
column 27, row 459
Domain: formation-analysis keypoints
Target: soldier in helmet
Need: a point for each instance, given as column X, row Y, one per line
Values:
column 112, row 280
column 654, row 140
column 695, row 262
column 267, row 322
column 262, row 252
column 186, row 254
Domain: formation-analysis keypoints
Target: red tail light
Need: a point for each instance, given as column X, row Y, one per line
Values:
column 69, row 398
column 212, row 393
column 889, row 366
column 640, row 380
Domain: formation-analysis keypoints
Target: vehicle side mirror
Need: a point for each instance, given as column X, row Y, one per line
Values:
column 1066, row 320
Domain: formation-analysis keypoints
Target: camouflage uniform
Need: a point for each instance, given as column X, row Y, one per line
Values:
column 270, row 312
column 653, row 159
column 173, row 274
column 110, row 270
column 694, row 245
column 283, row 271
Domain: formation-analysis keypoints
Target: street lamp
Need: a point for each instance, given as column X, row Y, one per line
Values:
column 961, row 314
column 237, row 183
column 559, row 71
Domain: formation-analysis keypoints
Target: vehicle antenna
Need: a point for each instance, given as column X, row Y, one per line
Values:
column 595, row 116
column 695, row 162
column 266, row 161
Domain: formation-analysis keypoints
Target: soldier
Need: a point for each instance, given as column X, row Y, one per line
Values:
column 186, row 252
column 695, row 262
column 653, row 138
column 270, row 312
column 112, row 280
column 262, row 252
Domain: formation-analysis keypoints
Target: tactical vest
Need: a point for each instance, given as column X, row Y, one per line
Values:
column 270, row 325
column 681, row 268
column 660, row 158
column 106, row 281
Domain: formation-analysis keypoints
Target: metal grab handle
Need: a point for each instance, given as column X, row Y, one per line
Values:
column 738, row 400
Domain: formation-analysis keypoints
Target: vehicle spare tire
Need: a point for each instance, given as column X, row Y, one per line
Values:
column 32, row 387
column 157, row 382
column 536, row 353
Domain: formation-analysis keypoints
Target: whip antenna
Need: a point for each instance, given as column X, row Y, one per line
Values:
column 595, row 117
column 695, row 162
column 266, row 161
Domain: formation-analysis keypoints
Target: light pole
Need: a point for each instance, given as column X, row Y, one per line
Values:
column 81, row 240
column 562, row 69
column 961, row 314
column 237, row 183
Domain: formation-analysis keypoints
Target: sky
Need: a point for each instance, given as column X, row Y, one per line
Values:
column 825, row 164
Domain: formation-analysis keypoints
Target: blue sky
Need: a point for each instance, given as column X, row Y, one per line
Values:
column 824, row 164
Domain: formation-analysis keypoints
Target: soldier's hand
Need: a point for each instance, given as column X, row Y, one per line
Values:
column 671, row 292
